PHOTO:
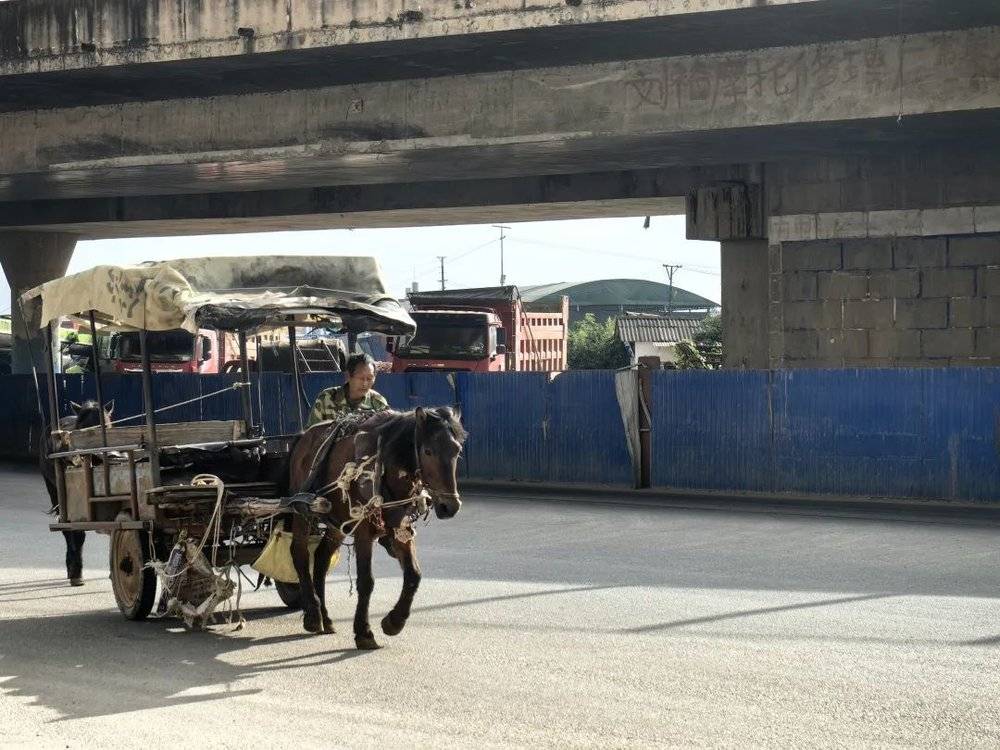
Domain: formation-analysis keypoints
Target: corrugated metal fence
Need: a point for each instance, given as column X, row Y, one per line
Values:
column 522, row 426
column 910, row 433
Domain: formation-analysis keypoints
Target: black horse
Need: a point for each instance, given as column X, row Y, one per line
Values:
column 87, row 414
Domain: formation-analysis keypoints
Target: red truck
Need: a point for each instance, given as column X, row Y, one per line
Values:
column 170, row 351
column 483, row 330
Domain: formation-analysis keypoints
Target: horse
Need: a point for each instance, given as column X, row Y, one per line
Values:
column 87, row 414
column 414, row 451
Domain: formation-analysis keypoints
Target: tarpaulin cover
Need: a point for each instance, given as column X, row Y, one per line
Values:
column 227, row 293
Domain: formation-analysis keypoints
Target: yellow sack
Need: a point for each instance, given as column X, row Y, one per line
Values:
column 275, row 561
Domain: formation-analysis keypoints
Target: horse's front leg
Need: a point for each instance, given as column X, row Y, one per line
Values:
column 406, row 552
column 364, row 543
column 300, row 557
column 321, row 565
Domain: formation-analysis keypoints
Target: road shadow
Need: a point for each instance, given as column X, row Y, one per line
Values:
column 95, row 663
column 752, row 613
column 545, row 541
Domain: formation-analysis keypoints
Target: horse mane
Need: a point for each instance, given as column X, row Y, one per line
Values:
column 397, row 434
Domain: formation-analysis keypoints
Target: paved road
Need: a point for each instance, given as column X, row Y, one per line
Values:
column 540, row 623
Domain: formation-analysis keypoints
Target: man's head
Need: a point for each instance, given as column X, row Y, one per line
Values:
column 360, row 375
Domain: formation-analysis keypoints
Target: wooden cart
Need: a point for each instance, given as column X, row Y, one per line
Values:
column 145, row 484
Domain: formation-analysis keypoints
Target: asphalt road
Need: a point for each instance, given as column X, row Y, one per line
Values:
column 539, row 624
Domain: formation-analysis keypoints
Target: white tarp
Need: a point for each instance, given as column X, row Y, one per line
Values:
column 628, row 393
column 227, row 293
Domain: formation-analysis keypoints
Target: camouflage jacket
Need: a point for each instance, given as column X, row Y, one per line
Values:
column 332, row 404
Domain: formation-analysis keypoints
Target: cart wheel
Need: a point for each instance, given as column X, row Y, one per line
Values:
column 133, row 583
column 290, row 594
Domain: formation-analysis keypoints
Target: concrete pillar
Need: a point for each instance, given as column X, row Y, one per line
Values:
column 744, row 303
column 733, row 215
column 29, row 259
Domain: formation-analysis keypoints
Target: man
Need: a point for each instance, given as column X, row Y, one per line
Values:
column 356, row 395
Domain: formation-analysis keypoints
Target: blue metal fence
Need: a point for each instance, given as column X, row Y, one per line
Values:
column 710, row 430
column 584, row 435
column 504, row 415
column 521, row 426
column 911, row 433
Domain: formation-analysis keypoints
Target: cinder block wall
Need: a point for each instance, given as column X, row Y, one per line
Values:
column 893, row 301
column 884, row 262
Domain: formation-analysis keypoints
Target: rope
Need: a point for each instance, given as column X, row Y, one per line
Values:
column 353, row 472
column 233, row 387
column 222, row 584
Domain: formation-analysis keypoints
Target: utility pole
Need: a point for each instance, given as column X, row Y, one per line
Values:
column 441, row 259
column 670, row 277
column 503, row 277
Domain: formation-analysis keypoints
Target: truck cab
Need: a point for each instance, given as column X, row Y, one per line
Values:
column 452, row 341
column 169, row 351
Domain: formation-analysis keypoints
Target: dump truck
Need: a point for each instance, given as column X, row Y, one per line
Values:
column 482, row 330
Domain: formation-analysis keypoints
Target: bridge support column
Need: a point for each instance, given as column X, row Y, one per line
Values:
column 732, row 214
column 29, row 259
column 745, row 304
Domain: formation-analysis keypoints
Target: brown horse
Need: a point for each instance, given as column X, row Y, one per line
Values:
column 414, row 450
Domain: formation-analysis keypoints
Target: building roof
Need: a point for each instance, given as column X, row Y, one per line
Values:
column 613, row 292
column 656, row 329
column 506, row 293
column 623, row 292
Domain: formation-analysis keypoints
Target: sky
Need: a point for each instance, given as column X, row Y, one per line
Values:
column 540, row 252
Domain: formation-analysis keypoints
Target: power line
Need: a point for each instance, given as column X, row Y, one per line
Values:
column 470, row 251
column 432, row 266
column 708, row 270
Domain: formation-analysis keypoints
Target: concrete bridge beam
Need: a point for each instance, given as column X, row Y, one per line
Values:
column 571, row 119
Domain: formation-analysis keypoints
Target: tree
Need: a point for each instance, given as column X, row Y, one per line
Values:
column 704, row 350
column 688, row 356
column 595, row 346
column 708, row 339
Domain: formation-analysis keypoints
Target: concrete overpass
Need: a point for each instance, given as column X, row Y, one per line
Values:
column 807, row 135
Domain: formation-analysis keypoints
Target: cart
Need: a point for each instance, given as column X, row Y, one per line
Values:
column 213, row 488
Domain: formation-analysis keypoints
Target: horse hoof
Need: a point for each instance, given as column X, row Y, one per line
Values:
column 366, row 642
column 328, row 626
column 312, row 625
column 390, row 627
column 75, row 581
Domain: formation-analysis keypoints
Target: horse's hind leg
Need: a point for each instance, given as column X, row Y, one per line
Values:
column 74, row 556
column 394, row 622
column 321, row 565
column 300, row 557
column 363, row 546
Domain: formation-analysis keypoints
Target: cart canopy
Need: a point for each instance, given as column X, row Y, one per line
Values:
column 228, row 293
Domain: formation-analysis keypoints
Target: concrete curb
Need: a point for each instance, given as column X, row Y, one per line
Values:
column 749, row 501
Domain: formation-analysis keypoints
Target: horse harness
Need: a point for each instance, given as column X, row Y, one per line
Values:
column 372, row 509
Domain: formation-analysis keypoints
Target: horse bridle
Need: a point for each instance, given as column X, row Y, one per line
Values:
column 419, row 478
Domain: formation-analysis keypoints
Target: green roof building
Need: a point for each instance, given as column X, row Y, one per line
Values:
column 609, row 298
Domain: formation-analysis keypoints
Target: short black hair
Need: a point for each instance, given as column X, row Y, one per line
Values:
column 356, row 360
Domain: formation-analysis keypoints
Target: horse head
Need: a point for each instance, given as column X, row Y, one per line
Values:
column 438, row 439
column 90, row 414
